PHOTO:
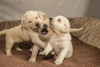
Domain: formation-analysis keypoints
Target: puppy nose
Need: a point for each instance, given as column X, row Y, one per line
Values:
column 45, row 26
column 37, row 25
column 51, row 18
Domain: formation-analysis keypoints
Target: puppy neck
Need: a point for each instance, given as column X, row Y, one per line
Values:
column 60, row 33
column 61, row 36
column 28, row 29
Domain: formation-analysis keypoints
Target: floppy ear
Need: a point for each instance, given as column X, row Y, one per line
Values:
column 23, row 22
column 65, row 29
column 42, row 15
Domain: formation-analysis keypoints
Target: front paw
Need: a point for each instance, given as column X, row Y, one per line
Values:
column 9, row 54
column 30, row 49
column 43, row 53
column 18, row 49
column 58, row 62
column 32, row 60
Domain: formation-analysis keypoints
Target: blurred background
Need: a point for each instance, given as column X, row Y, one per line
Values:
column 14, row 9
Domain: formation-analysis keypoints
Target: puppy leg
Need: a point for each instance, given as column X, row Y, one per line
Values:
column 9, row 44
column 18, row 48
column 69, row 54
column 61, row 56
column 39, row 42
column 35, row 50
column 46, row 50
column 30, row 49
column 70, row 51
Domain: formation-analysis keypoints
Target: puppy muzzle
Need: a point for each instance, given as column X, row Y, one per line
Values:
column 44, row 30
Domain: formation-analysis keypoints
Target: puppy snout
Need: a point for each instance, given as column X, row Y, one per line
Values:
column 37, row 25
column 45, row 26
column 51, row 18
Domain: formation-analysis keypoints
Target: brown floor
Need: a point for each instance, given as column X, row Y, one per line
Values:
column 83, row 56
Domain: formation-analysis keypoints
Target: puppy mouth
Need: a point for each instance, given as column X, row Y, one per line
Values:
column 44, row 31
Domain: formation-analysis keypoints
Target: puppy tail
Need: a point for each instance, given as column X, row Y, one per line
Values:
column 75, row 30
column 3, row 32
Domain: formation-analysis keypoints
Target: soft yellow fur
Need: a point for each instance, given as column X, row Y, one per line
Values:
column 26, row 31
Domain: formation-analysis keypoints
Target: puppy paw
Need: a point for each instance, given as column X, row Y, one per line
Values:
column 30, row 49
column 18, row 49
column 32, row 60
column 9, row 54
column 58, row 62
column 43, row 53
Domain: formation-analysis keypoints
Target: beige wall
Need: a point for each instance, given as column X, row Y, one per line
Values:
column 94, row 9
column 69, row 8
column 14, row 9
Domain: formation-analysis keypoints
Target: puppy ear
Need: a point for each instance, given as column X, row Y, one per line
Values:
column 42, row 15
column 65, row 29
column 22, row 21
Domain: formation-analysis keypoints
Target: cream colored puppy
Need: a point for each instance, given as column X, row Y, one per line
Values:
column 60, row 41
column 26, row 31
column 45, row 32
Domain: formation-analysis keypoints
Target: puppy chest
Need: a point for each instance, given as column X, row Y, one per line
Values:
column 57, row 44
column 24, row 37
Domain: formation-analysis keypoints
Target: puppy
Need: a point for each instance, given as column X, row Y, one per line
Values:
column 60, row 41
column 45, row 32
column 26, row 31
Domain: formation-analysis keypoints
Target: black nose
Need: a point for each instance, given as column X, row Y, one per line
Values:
column 45, row 26
column 37, row 25
column 50, row 18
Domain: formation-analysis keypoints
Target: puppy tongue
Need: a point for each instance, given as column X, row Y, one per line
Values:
column 43, row 32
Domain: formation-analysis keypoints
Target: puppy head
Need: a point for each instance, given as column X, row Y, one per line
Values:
column 31, row 20
column 42, row 15
column 60, row 24
column 45, row 30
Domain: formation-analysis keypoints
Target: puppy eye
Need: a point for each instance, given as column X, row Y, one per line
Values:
column 29, row 21
column 59, row 20
column 36, row 17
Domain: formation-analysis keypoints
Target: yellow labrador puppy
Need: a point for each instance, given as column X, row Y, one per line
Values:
column 60, row 41
column 45, row 33
column 26, row 31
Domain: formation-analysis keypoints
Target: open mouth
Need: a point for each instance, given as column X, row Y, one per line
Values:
column 44, row 31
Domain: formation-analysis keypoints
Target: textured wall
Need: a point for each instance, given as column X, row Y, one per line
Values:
column 94, row 9
column 14, row 9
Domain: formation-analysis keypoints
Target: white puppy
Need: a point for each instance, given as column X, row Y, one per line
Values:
column 60, row 41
